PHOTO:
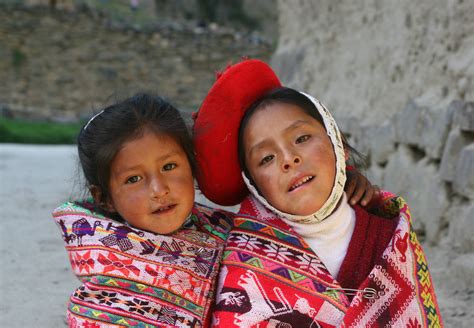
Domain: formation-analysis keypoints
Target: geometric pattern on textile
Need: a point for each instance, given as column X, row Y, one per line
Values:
column 149, row 290
column 88, row 301
column 280, row 258
column 270, row 277
column 266, row 224
column 277, row 279
column 133, row 277
column 425, row 284
column 389, row 284
column 302, row 269
column 404, row 273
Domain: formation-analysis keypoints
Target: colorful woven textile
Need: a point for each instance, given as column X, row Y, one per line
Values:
column 136, row 278
column 271, row 278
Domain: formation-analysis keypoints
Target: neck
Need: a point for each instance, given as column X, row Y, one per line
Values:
column 335, row 221
column 330, row 238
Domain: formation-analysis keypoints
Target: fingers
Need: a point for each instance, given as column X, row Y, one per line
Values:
column 368, row 195
column 359, row 189
column 376, row 195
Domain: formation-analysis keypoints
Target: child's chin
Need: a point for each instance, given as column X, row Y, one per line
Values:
column 165, row 231
column 160, row 231
column 310, row 210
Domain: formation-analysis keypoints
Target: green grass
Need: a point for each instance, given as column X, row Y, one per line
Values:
column 19, row 131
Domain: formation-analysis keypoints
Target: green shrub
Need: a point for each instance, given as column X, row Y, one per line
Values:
column 19, row 131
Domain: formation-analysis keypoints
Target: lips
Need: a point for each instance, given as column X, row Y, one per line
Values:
column 300, row 181
column 164, row 209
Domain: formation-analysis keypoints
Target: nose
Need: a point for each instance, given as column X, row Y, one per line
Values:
column 291, row 160
column 158, row 189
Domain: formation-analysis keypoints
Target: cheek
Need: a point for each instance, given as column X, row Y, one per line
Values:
column 326, row 160
column 122, row 201
column 184, row 184
column 332, row 158
column 324, row 153
column 266, row 183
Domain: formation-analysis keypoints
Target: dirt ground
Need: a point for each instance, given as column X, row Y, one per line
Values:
column 35, row 276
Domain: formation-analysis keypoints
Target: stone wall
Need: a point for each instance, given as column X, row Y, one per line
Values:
column 66, row 64
column 366, row 58
column 399, row 78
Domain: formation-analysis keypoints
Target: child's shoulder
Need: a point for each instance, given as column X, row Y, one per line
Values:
column 71, row 207
column 85, row 207
column 388, row 206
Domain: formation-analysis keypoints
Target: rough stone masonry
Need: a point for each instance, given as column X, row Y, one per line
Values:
column 68, row 64
column 399, row 78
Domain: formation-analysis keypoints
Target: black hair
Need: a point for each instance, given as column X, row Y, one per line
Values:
column 100, row 140
column 288, row 96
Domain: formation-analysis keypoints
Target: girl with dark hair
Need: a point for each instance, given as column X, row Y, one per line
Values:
column 146, row 253
column 299, row 255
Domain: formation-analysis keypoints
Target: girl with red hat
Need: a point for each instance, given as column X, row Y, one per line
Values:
column 299, row 254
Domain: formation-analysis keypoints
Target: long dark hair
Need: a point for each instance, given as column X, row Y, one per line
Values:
column 100, row 140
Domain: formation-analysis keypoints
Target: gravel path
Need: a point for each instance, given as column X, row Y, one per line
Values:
column 35, row 277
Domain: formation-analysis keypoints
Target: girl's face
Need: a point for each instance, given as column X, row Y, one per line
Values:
column 151, row 183
column 290, row 158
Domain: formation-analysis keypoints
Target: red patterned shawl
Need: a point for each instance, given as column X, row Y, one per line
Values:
column 271, row 278
column 136, row 278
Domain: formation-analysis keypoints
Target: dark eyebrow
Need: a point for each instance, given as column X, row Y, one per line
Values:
column 296, row 124
column 160, row 158
column 167, row 155
column 261, row 144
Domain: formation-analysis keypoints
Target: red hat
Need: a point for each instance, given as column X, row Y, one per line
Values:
column 216, row 129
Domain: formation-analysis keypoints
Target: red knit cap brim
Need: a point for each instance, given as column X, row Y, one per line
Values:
column 216, row 129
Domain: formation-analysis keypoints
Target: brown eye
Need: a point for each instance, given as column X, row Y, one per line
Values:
column 169, row 166
column 266, row 159
column 133, row 179
column 303, row 138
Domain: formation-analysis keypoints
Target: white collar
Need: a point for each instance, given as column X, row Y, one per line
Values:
column 334, row 225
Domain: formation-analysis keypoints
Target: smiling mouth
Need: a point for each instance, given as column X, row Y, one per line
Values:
column 301, row 182
column 165, row 209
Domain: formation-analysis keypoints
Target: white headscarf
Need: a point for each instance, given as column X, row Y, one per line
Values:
column 339, row 181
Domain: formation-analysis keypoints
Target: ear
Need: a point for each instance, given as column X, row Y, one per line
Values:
column 97, row 195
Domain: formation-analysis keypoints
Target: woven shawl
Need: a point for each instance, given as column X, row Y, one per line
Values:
column 271, row 278
column 132, row 277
